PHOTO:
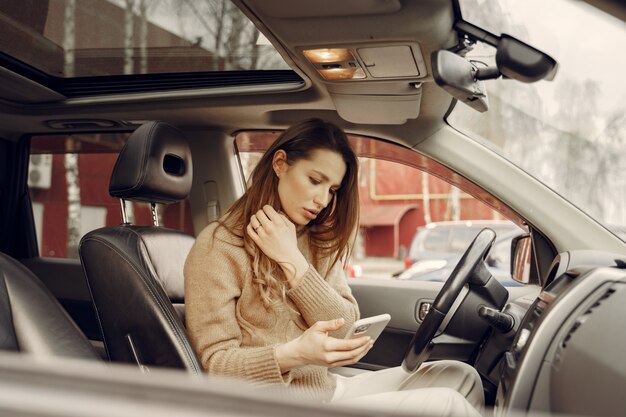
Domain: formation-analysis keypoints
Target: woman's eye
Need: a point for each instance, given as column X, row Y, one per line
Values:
column 314, row 181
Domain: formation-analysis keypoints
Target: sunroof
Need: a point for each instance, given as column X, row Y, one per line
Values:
column 92, row 38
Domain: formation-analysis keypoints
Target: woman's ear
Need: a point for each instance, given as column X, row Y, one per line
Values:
column 279, row 162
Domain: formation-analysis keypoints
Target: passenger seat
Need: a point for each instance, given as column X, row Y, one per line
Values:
column 33, row 321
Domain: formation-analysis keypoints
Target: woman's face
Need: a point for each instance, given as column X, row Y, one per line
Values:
column 307, row 186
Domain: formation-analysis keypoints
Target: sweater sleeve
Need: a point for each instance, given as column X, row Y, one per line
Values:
column 325, row 298
column 211, row 290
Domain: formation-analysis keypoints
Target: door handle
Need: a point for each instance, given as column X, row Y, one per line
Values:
column 421, row 309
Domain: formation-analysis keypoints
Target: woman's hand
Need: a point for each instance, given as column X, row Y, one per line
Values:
column 315, row 347
column 275, row 235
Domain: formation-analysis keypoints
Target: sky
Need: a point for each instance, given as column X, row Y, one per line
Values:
column 586, row 42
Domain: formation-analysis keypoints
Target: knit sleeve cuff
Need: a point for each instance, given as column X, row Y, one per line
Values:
column 262, row 366
column 313, row 294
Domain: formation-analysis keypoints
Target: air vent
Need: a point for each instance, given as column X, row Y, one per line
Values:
column 581, row 320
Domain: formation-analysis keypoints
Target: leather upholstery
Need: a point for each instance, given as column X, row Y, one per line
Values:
column 154, row 166
column 32, row 320
column 135, row 273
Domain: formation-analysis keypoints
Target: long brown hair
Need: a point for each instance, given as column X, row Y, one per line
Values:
column 331, row 231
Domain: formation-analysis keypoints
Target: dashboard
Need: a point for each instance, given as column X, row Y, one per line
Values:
column 567, row 355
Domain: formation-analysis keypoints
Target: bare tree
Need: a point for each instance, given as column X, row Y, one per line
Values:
column 71, row 158
column 129, row 35
column 582, row 155
column 426, row 197
column 143, row 37
column 453, row 209
column 608, row 178
column 129, row 19
column 225, row 31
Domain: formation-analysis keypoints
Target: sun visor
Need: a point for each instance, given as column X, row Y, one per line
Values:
column 377, row 109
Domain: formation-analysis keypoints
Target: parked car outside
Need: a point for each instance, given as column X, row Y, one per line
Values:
column 437, row 247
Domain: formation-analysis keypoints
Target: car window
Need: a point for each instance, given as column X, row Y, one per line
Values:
column 406, row 201
column 500, row 254
column 436, row 240
column 461, row 238
column 68, row 182
column 127, row 37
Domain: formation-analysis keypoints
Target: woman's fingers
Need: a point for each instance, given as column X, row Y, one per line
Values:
column 339, row 352
column 285, row 219
column 351, row 361
column 262, row 218
column 271, row 213
column 340, row 358
column 314, row 346
column 332, row 344
column 273, row 216
column 329, row 325
column 252, row 232
column 254, row 222
column 268, row 217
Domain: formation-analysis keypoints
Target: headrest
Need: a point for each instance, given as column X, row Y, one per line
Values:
column 154, row 166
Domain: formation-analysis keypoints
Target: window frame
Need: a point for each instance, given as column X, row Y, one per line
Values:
column 244, row 141
column 86, row 144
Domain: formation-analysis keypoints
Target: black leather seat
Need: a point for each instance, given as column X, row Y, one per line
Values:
column 32, row 320
column 135, row 273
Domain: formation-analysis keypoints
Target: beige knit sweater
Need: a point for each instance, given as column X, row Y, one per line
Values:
column 232, row 332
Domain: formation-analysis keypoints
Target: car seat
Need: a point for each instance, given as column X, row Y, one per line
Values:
column 135, row 273
column 33, row 321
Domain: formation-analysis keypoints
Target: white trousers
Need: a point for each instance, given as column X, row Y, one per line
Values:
column 440, row 388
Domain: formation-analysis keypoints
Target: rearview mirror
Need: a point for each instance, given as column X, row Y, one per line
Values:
column 514, row 59
column 520, row 61
column 521, row 251
column 457, row 76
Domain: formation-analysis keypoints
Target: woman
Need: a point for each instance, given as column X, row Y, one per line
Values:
column 265, row 293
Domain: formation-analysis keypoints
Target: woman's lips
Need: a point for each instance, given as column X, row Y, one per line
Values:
column 310, row 214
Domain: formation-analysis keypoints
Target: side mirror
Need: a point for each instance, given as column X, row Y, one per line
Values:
column 457, row 76
column 521, row 251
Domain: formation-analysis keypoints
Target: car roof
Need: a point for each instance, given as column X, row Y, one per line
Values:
column 398, row 107
column 413, row 108
column 422, row 26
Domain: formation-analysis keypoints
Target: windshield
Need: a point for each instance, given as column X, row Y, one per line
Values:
column 569, row 133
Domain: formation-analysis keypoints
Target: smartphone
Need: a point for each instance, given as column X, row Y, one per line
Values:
column 371, row 326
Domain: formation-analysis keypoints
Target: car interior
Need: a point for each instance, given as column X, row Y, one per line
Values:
column 175, row 127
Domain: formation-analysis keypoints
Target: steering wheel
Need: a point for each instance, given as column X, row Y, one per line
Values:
column 420, row 346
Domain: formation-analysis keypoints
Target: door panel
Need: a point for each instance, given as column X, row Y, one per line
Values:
column 400, row 299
